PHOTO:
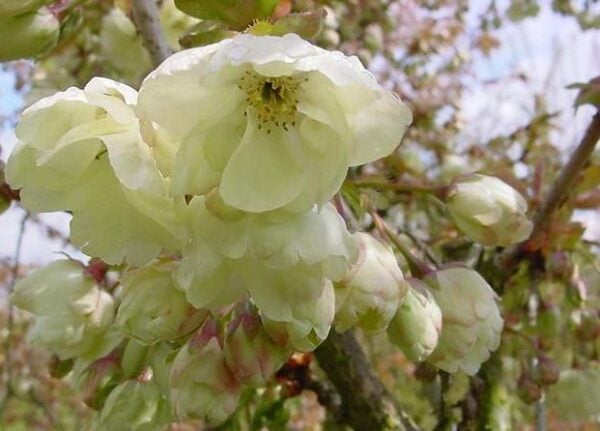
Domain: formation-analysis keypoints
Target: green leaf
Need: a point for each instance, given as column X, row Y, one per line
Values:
column 305, row 24
column 589, row 92
column 237, row 14
column 205, row 33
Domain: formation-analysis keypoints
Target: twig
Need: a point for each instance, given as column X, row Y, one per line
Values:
column 560, row 190
column 147, row 21
column 366, row 403
column 14, row 275
column 438, row 191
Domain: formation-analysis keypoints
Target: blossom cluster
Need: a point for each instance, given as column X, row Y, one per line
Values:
column 209, row 191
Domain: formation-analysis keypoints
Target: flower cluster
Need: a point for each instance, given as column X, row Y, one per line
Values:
column 209, row 190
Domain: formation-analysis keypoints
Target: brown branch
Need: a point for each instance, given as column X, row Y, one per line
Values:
column 14, row 276
column 366, row 403
column 560, row 190
column 147, row 21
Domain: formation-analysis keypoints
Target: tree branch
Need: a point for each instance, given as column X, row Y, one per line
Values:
column 366, row 403
column 147, row 21
column 560, row 190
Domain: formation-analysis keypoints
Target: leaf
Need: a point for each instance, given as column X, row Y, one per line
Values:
column 205, row 33
column 305, row 24
column 589, row 93
column 519, row 10
column 237, row 14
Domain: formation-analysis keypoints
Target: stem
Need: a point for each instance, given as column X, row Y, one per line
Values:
column 366, row 403
column 147, row 21
column 438, row 191
column 14, row 275
column 561, row 189
column 418, row 268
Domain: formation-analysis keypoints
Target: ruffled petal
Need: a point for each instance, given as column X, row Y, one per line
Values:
column 262, row 174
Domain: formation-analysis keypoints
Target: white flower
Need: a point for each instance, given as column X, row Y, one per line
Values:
column 370, row 293
column 73, row 317
column 82, row 151
column 135, row 406
column 281, row 259
column 488, row 210
column 152, row 308
column 472, row 324
column 273, row 121
column 417, row 324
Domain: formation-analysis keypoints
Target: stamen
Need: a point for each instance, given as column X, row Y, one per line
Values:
column 274, row 99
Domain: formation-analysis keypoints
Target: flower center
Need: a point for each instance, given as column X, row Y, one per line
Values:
column 274, row 99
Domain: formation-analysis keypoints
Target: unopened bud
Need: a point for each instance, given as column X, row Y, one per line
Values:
column 488, row 210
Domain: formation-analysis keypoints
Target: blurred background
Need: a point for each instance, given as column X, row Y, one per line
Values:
column 487, row 82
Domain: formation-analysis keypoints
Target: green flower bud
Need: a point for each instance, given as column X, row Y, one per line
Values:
column 152, row 309
column 28, row 35
column 73, row 315
column 471, row 323
column 369, row 295
column 135, row 406
column 416, row 326
column 202, row 386
column 18, row 7
column 488, row 210
column 309, row 325
column 122, row 48
column 249, row 352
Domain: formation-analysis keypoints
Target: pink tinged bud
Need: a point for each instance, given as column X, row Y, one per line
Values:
column 249, row 352
column 472, row 324
column 488, row 210
column 202, row 386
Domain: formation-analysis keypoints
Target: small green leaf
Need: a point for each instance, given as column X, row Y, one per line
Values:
column 205, row 33
column 236, row 14
column 305, row 24
column 589, row 93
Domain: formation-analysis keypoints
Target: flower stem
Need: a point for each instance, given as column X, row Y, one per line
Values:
column 437, row 191
column 418, row 268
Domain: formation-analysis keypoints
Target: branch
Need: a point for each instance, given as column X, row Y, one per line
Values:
column 560, row 190
column 14, row 276
column 366, row 403
column 147, row 21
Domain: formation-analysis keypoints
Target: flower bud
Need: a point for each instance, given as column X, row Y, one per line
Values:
column 370, row 293
column 546, row 371
column 73, row 315
column 417, row 324
column 152, row 309
column 135, row 406
column 249, row 352
column 488, row 210
column 471, row 321
column 528, row 390
column 37, row 33
column 121, row 46
column 310, row 323
column 202, row 386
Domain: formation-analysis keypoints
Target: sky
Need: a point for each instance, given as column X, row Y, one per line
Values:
column 551, row 51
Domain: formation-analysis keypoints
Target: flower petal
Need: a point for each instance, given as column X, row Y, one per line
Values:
column 262, row 174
